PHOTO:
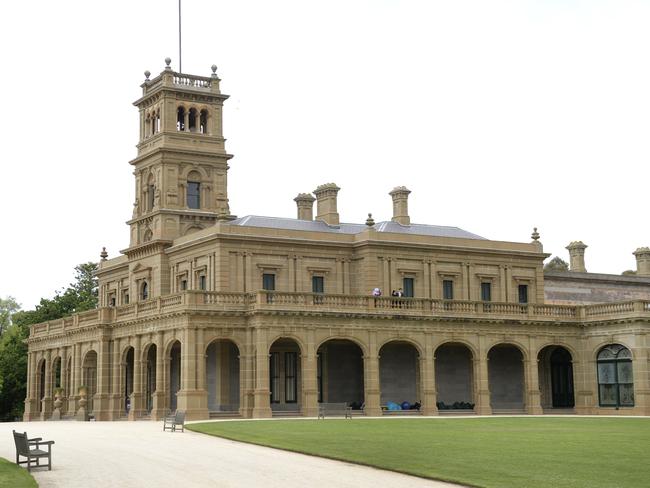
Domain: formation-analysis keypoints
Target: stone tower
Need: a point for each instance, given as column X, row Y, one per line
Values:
column 182, row 165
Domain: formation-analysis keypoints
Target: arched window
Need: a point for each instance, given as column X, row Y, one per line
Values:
column 192, row 120
column 158, row 120
column 194, row 190
column 153, row 123
column 204, row 122
column 144, row 291
column 180, row 119
column 615, row 381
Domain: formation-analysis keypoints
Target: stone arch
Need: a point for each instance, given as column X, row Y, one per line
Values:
column 556, row 378
column 355, row 340
column 127, row 373
column 521, row 347
column 192, row 229
column 601, row 345
column 223, row 375
column 473, row 348
column 572, row 350
column 416, row 344
column 454, row 371
column 340, row 371
column 506, row 377
column 240, row 344
column 399, row 374
column 293, row 337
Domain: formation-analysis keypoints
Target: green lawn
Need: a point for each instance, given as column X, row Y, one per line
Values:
column 484, row 452
column 11, row 475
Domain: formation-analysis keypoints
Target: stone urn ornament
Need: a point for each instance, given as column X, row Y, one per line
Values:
column 81, row 412
column 58, row 394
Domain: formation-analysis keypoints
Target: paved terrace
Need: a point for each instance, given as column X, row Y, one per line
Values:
column 389, row 307
column 140, row 455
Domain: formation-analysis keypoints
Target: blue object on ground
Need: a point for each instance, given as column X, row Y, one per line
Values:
column 406, row 406
column 393, row 406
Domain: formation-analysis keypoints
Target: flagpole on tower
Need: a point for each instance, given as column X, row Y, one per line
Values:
column 180, row 62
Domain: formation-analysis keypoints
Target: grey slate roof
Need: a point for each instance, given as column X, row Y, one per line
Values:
column 319, row 226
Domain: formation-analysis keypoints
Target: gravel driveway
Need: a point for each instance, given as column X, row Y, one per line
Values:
column 139, row 455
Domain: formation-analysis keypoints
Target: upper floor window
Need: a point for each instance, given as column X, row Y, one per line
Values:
column 203, row 127
column 192, row 122
column 317, row 284
column 125, row 297
column 268, row 281
column 183, row 284
column 202, row 282
column 144, row 291
column 193, row 194
column 523, row 293
column 180, row 119
column 615, row 381
column 448, row 289
column 409, row 287
column 486, row 291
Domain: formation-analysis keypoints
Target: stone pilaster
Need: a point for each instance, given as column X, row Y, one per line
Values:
column 262, row 392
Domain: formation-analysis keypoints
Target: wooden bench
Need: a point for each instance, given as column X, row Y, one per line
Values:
column 330, row 409
column 173, row 421
column 24, row 449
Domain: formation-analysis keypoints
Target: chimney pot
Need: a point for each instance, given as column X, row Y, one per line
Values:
column 642, row 255
column 305, row 204
column 577, row 256
column 400, row 196
column 326, row 203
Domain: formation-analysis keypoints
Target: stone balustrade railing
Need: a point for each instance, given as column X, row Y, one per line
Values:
column 265, row 301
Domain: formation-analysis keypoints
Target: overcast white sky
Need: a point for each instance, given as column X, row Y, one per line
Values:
column 498, row 115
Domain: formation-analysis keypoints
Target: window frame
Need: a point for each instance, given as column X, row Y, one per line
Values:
column 615, row 360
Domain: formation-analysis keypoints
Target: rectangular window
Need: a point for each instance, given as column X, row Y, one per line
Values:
column 202, row 282
column 125, row 298
column 290, row 377
column 318, row 286
column 268, row 284
column 183, row 285
column 448, row 290
column 523, row 293
column 409, row 287
column 274, row 371
column 486, row 292
column 193, row 194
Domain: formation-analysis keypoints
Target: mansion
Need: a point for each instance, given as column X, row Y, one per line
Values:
column 258, row 316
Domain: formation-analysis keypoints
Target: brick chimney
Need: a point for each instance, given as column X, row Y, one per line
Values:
column 305, row 203
column 400, row 196
column 326, row 203
column 577, row 256
column 642, row 255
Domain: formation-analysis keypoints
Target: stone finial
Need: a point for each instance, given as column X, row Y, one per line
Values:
column 214, row 70
column 577, row 256
column 305, row 204
column 168, row 61
column 103, row 254
column 326, row 203
column 370, row 222
column 642, row 255
column 535, row 235
column 400, row 196
column 147, row 74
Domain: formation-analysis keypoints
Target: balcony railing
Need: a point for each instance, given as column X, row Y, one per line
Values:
column 268, row 301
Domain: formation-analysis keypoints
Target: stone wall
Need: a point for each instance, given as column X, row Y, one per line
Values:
column 572, row 288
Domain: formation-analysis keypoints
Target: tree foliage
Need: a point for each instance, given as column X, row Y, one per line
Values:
column 8, row 307
column 80, row 295
column 556, row 264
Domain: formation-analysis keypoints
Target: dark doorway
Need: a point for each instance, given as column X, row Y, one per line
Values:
column 562, row 379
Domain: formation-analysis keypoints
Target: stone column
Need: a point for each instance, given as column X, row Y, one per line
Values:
column 158, row 410
column 641, row 377
column 136, row 397
column 481, row 380
column 191, row 399
column 186, row 120
column 31, row 406
column 46, row 406
column 116, row 389
column 428, row 375
column 262, row 392
column 64, row 378
column 75, row 377
column 309, row 362
column 533, row 395
column 371, row 378
column 101, row 398
column 247, row 376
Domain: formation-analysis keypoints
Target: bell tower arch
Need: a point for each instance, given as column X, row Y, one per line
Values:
column 181, row 168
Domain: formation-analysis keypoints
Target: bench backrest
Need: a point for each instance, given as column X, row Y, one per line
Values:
column 333, row 406
column 22, row 446
column 179, row 418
